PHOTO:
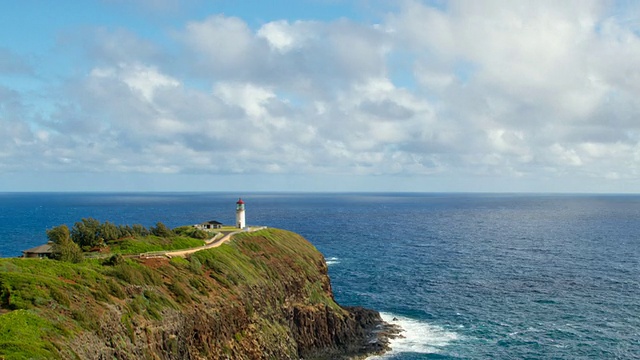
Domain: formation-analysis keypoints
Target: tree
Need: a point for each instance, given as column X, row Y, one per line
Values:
column 139, row 230
column 85, row 233
column 124, row 231
column 162, row 230
column 59, row 234
column 108, row 231
column 64, row 249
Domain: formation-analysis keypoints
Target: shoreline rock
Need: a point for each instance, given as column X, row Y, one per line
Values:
column 369, row 335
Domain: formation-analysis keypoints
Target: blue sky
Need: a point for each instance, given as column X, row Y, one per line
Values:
column 320, row 95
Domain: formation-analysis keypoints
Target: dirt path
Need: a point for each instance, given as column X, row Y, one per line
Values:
column 211, row 243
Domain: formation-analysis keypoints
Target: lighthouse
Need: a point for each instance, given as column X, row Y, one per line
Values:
column 240, row 222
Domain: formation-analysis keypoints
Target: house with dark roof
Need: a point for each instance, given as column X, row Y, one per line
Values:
column 42, row 251
column 208, row 225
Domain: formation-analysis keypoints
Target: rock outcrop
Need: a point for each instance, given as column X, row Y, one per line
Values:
column 265, row 295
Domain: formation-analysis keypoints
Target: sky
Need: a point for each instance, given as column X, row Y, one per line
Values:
column 320, row 95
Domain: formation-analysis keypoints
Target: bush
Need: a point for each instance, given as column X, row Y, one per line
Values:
column 192, row 232
column 114, row 260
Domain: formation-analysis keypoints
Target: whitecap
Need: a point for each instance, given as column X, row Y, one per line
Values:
column 416, row 337
column 332, row 261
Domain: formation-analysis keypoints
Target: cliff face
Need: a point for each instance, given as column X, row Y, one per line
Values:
column 265, row 295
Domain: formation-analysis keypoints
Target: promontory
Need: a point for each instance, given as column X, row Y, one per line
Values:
column 263, row 295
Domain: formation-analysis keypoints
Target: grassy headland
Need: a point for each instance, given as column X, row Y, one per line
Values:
column 261, row 295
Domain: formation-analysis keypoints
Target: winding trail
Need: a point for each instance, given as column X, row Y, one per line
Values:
column 211, row 243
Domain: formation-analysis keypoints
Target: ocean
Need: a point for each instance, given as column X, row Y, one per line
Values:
column 467, row 276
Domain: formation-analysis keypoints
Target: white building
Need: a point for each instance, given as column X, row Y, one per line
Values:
column 240, row 220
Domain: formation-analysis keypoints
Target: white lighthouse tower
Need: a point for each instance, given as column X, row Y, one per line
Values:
column 240, row 221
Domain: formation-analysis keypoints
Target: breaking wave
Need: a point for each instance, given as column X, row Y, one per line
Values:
column 332, row 261
column 416, row 337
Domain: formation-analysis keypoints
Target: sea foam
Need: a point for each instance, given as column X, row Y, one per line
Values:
column 415, row 337
column 332, row 261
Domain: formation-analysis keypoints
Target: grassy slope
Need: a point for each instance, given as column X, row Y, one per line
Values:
column 46, row 303
column 154, row 243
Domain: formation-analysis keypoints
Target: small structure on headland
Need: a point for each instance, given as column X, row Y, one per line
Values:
column 240, row 218
column 209, row 225
column 42, row 251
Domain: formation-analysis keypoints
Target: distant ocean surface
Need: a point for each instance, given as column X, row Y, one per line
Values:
column 468, row 276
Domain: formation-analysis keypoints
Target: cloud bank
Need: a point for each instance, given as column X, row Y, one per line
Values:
column 541, row 91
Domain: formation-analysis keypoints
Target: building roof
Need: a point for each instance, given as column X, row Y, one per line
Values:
column 240, row 201
column 212, row 222
column 42, row 249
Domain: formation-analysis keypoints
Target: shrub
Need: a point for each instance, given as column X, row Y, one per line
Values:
column 192, row 232
column 114, row 260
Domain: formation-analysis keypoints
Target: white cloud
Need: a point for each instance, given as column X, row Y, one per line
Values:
column 280, row 35
column 252, row 99
column 520, row 90
column 144, row 80
column 223, row 44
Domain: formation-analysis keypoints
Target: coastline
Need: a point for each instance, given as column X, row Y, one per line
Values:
column 265, row 293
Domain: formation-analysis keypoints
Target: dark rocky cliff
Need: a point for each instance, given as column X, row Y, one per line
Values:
column 265, row 295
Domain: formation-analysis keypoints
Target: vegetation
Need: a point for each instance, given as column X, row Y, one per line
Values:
column 154, row 243
column 46, row 304
column 90, row 235
column 23, row 335
column 64, row 249
column 192, row 232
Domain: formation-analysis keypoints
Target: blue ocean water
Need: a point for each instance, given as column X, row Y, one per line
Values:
column 468, row 276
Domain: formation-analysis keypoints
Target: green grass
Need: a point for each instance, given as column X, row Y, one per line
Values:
column 179, row 262
column 23, row 335
column 228, row 228
column 154, row 243
column 28, row 283
column 228, row 266
column 134, row 273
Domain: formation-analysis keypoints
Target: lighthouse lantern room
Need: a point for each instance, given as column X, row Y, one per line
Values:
column 240, row 220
